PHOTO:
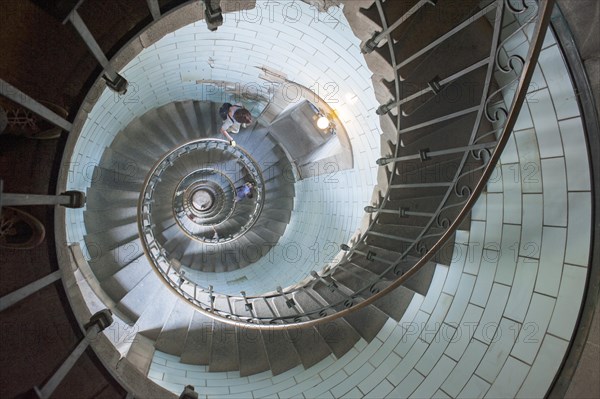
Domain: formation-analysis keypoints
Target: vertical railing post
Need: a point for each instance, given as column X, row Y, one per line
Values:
column 10, row 299
column 69, row 199
column 113, row 80
column 97, row 323
column 213, row 14
column 189, row 393
column 18, row 97
column 373, row 42
column 154, row 8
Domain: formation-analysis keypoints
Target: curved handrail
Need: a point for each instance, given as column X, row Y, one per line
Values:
column 146, row 195
column 481, row 150
column 151, row 247
column 470, row 197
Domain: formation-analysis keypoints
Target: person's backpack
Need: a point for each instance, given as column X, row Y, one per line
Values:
column 224, row 110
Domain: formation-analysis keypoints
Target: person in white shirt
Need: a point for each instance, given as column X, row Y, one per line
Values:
column 237, row 117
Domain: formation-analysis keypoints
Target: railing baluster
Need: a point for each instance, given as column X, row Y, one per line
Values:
column 390, row 236
column 372, row 43
column 330, row 284
column 448, row 35
column 372, row 256
column 229, row 304
column 114, row 81
column 154, row 8
column 247, row 305
column 211, row 298
column 310, row 313
column 426, row 154
column 441, row 83
column 273, row 312
column 17, row 96
column 402, row 212
column 422, row 185
column 288, row 301
column 444, row 118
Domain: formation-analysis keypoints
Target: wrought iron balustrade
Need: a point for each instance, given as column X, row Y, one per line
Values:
column 507, row 76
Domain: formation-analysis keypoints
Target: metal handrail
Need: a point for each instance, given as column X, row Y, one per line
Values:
column 354, row 302
column 172, row 274
column 162, row 164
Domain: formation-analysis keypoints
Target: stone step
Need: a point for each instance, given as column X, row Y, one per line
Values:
column 338, row 334
column 196, row 349
column 224, row 353
column 362, row 27
column 309, row 344
column 108, row 179
column 168, row 119
column 366, row 322
column 413, row 35
column 381, row 259
column 441, row 169
column 176, row 246
column 279, row 215
column 125, row 280
column 126, row 162
column 156, row 142
column 281, row 352
column 104, row 241
column 251, row 349
column 357, row 278
column 173, row 335
column 155, row 311
column 99, row 199
column 135, row 302
column 100, row 220
column 105, row 264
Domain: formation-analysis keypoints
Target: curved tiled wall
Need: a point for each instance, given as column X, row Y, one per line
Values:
column 497, row 322
column 314, row 50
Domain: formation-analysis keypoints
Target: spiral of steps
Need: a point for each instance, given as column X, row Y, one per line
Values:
column 211, row 239
column 202, row 171
column 179, row 140
column 163, row 193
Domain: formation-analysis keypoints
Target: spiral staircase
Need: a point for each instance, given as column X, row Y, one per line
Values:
column 194, row 209
column 161, row 209
column 175, row 147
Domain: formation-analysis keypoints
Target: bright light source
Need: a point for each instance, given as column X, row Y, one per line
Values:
column 323, row 123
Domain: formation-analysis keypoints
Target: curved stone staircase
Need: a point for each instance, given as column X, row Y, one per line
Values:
column 434, row 151
column 416, row 191
column 430, row 144
column 439, row 95
column 117, row 256
column 204, row 243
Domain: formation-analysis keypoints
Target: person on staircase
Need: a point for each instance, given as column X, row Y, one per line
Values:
column 244, row 192
column 234, row 117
